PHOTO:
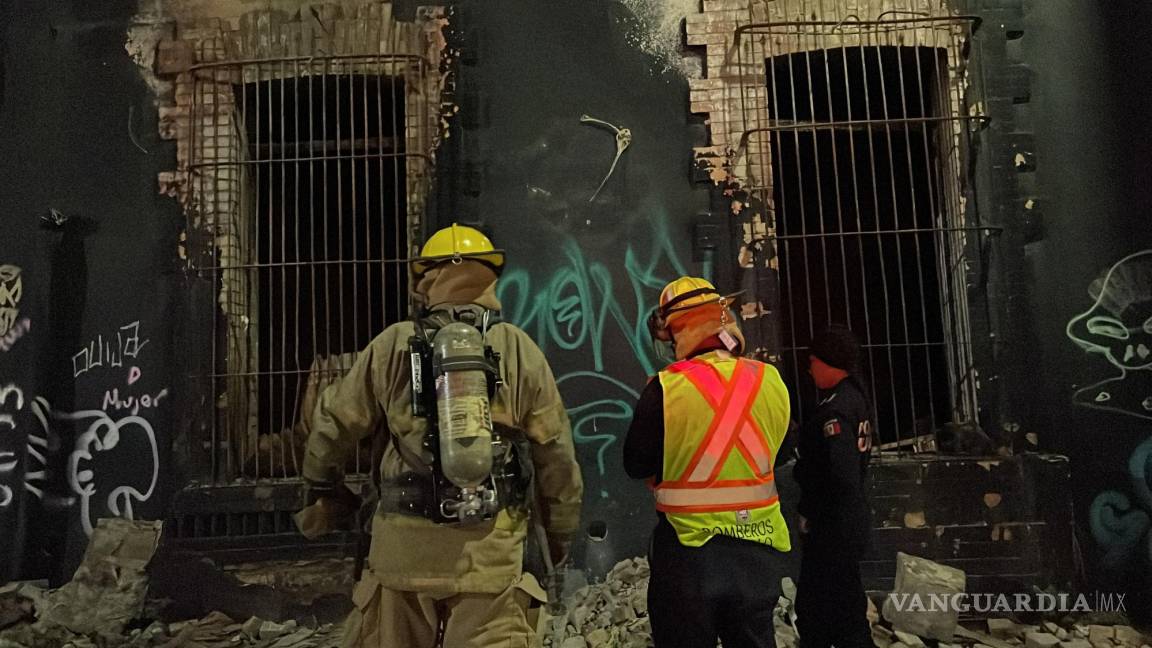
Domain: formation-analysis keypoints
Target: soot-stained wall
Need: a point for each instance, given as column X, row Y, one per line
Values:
column 1091, row 275
column 84, row 303
column 584, row 269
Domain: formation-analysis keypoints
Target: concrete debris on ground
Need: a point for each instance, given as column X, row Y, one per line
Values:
column 106, row 598
column 614, row 614
column 611, row 613
column 108, row 589
column 104, row 606
column 920, row 578
column 216, row 630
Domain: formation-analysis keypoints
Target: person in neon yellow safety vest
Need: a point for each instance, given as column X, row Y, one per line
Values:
column 705, row 434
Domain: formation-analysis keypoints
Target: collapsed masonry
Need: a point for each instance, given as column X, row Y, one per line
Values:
column 614, row 614
column 106, row 604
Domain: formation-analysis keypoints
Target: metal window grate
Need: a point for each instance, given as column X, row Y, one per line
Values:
column 303, row 172
column 857, row 138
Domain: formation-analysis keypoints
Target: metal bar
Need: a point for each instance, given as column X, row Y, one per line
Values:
column 326, row 219
column 267, row 80
column 876, row 207
column 839, row 199
column 279, row 430
column 755, row 28
column 828, row 316
column 885, row 345
column 931, row 197
column 892, row 232
column 784, row 251
column 855, row 174
column 297, row 224
column 320, row 145
column 289, row 264
column 862, row 124
column 320, row 158
column 878, row 49
column 328, row 58
column 314, row 318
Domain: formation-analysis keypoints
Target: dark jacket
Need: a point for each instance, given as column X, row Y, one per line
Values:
column 835, row 442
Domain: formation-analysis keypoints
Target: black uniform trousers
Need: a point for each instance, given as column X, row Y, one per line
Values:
column 831, row 606
column 725, row 589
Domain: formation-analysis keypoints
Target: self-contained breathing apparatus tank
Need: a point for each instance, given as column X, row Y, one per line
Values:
column 454, row 376
column 462, row 408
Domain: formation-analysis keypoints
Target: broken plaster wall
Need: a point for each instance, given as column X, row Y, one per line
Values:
column 734, row 99
column 193, row 54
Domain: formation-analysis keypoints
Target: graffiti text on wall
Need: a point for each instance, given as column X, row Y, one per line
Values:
column 99, row 351
column 576, row 307
column 1118, row 326
column 112, row 455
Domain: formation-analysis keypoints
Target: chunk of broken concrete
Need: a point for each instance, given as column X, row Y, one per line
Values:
column 909, row 639
column 1040, row 640
column 108, row 589
column 788, row 588
column 1129, row 636
column 272, row 630
column 1099, row 633
column 909, row 608
column 1076, row 643
column 1003, row 628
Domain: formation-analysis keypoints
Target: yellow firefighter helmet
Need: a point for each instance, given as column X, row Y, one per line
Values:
column 458, row 242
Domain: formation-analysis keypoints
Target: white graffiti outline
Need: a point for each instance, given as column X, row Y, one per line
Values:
column 1102, row 321
column 82, row 482
column 8, row 459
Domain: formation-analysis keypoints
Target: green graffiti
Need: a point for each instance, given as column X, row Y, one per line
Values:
column 1120, row 526
column 577, row 307
column 577, row 303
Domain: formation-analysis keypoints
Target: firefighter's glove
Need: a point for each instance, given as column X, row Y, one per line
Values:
column 329, row 508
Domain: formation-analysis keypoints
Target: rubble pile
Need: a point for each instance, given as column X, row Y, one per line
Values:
column 614, row 613
column 36, row 629
column 611, row 614
column 104, row 606
column 1006, row 633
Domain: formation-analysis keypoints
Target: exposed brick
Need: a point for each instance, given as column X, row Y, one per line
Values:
column 705, row 37
column 725, row 5
column 173, row 57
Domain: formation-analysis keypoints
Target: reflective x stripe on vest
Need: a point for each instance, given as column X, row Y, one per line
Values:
column 701, row 486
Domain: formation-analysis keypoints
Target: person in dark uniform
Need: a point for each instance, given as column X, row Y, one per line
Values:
column 835, row 518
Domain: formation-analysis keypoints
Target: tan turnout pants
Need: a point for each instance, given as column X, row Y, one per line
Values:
column 387, row 618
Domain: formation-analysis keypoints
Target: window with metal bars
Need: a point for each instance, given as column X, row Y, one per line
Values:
column 301, row 173
column 864, row 146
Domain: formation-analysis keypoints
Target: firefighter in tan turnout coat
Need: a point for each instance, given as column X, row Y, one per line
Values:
column 430, row 574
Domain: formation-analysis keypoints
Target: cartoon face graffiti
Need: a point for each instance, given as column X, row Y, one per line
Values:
column 115, row 464
column 1119, row 327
